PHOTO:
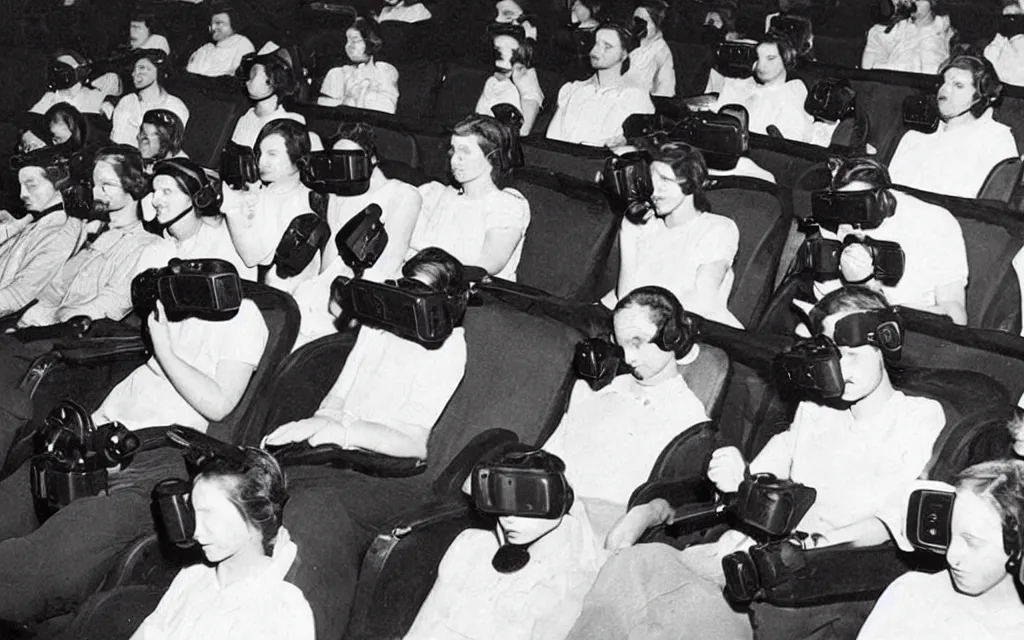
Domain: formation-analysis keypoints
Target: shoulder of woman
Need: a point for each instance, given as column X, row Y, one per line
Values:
column 386, row 68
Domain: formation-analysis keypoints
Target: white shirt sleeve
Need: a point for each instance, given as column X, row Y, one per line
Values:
column 876, row 49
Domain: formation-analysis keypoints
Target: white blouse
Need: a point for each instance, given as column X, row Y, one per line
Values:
column 370, row 85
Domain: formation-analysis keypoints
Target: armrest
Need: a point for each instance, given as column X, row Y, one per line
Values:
column 401, row 565
column 677, row 492
column 366, row 462
column 484, row 446
column 97, row 351
column 149, row 562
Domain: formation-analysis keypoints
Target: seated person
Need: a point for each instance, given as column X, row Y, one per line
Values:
column 769, row 96
column 33, row 248
column 679, row 244
column 591, row 111
column 238, row 507
column 222, row 56
column 917, row 39
column 650, row 65
column 1006, row 51
column 141, row 23
column 719, row 23
column 482, row 222
column 586, row 15
column 366, row 83
column 400, row 205
column 977, row 596
column 147, row 74
column 514, row 80
column 33, row 132
column 270, row 81
column 399, row 11
column 935, row 275
column 96, row 281
column 197, row 374
column 485, row 590
column 391, row 390
column 184, row 207
column 611, row 438
column 516, row 12
column 160, row 136
column 956, row 159
column 67, row 126
column 856, row 455
column 70, row 85
column 259, row 215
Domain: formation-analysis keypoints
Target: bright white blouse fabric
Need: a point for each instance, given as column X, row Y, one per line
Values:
column 908, row 47
column 505, row 91
column 33, row 257
column 1007, row 57
column 212, row 240
column 220, row 58
column 459, row 225
column 952, row 161
column 369, row 85
column 651, row 67
column 248, row 127
column 780, row 105
column 592, row 114
column 410, row 14
column 128, row 113
column 85, row 99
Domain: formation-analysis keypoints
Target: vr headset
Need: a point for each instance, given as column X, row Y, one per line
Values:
column 832, row 100
column 208, row 288
column 921, row 112
column 1011, row 25
column 511, row 487
column 598, row 362
column 343, row 173
column 73, row 454
column 305, row 237
column 407, row 308
column 736, row 59
column 362, row 240
column 810, row 366
column 238, row 166
column 823, row 257
column 627, row 178
column 866, row 209
column 721, row 137
column 74, row 178
column 60, row 75
column 512, row 118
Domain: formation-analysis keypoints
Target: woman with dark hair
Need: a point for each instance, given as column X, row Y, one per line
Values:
column 366, row 83
column 681, row 245
column 67, row 126
column 957, row 157
column 917, row 39
column 400, row 207
column 241, row 593
column 161, row 135
column 514, row 80
column 516, row 12
column 222, row 55
column 270, row 80
column 149, row 72
column 141, row 35
column 33, row 132
column 482, row 222
column 651, row 65
column 587, row 14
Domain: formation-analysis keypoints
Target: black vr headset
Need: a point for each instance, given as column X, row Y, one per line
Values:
column 208, row 288
column 822, row 257
column 60, row 75
column 73, row 454
column 921, row 112
column 512, row 486
column 238, row 166
column 1011, row 25
column 407, row 308
column 812, row 365
column 736, row 59
column 305, row 237
column 343, row 173
column 865, row 209
column 598, row 362
column 832, row 100
column 721, row 137
column 362, row 240
column 627, row 178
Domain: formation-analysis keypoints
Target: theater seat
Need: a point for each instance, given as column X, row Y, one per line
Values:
column 460, row 89
column 576, row 160
column 418, row 84
column 215, row 105
column 1002, row 182
column 571, row 231
column 394, row 142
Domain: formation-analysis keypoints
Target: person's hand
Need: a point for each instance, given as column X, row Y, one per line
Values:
column 628, row 529
column 856, row 263
column 159, row 331
column 727, row 469
column 7, row 218
column 298, row 431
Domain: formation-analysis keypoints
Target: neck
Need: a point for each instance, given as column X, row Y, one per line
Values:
column 669, row 372
column 285, row 183
column 774, row 82
column 683, row 213
column 73, row 89
column 874, row 403
column 479, row 187
column 651, row 37
column 609, row 76
column 923, row 20
column 249, row 562
column 266, row 106
column 1001, row 599
column 377, row 180
column 590, row 23
column 185, row 228
column 150, row 93
column 961, row 120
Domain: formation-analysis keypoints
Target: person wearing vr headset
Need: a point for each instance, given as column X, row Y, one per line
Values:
column 242, row 592
column 34, row 247
column 516, row 12
column 160, row 136
column 514, row 80
column 934, row 256
column 650, row 65
column 141, row 35
column 769, row 96
column 592, row 111
column 185, row 205
column 676, row 242
column 1006, row 50
column 956, row 158
column 148, row 72
column 392, row 390
column 611, row 438
column 365, row 83
column 482, row 222
column 223, row 55
column 269, row 79
column 96, row 281
column 978, row 595
column 259, row 217
column 400, row 11
column 857, row 453
column 916, row 39
column 399, row 204
column 68, row 78
column 67, row 126
column 33, row 132
column 526, row 577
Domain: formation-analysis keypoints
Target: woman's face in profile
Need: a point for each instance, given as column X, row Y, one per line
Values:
column 221, row 530
column 467, row 159
column 667, row 193
column 976, row 555
column 355, row 46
